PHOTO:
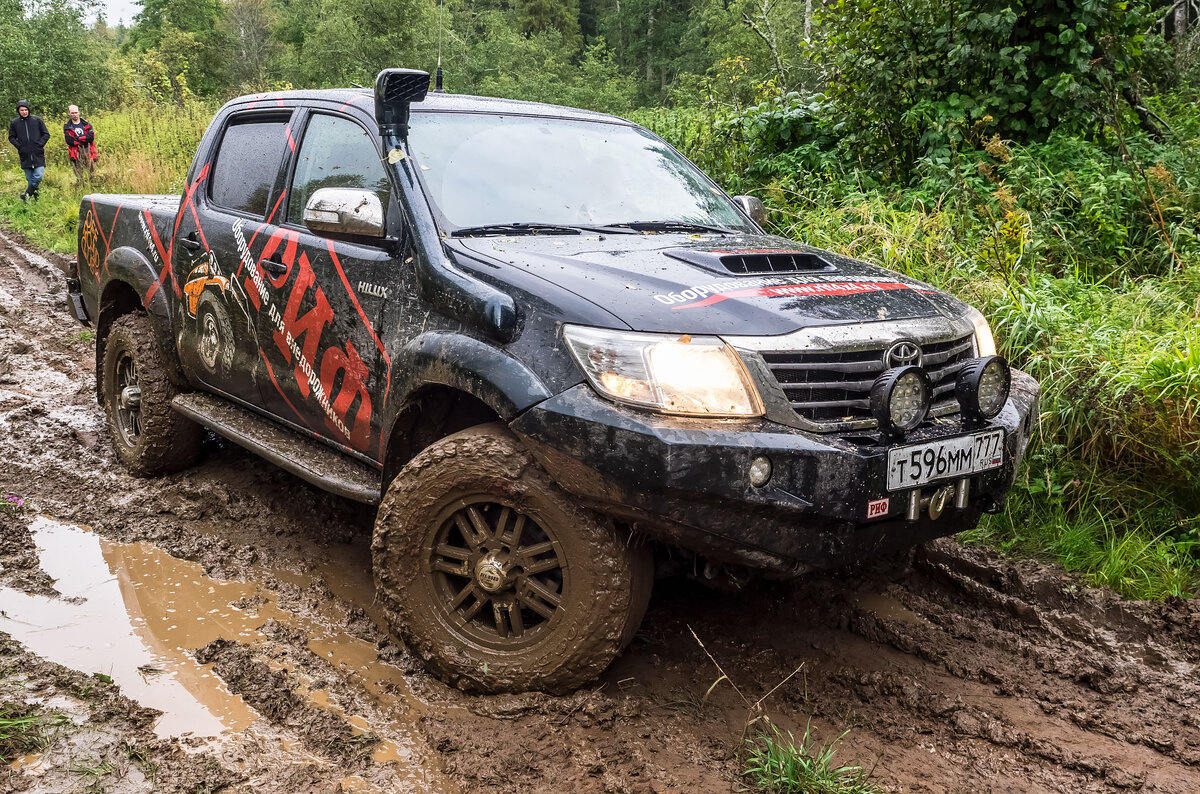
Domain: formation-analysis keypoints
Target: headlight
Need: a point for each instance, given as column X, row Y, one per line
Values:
column 984, row 343
column 690, row 376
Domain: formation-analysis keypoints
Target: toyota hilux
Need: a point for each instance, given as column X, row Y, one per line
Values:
column 548, row 347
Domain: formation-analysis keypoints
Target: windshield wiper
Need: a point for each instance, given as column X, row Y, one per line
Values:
column 672, row 226
column 514, row 229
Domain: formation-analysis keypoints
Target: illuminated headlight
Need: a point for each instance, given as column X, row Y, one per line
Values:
column 982, row 387
column 900, row 399
column 985, row 345
column 689, row 376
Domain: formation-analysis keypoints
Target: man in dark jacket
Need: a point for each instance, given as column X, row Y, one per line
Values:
column 81, row 142
column 28, row 134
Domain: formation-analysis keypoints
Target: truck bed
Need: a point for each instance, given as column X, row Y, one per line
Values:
column 129, row 232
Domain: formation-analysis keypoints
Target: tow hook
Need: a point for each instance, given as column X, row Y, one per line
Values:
column 936, row 502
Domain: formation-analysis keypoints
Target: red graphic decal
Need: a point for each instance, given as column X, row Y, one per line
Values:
column 288, row 258
column 308, row 326
column 353, row 386
column 110, row 233
column 271, row 374
column 102, row 237
column 753, row 251
column 797, row 290
column 363, row 316
column 167, row 269
column 261, row 226
column 878, row 507
column 187, row 201
column 287, row 130
column 350, row 102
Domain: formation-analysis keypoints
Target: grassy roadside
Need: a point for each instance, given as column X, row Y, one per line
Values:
column 1086, row 289
column 144, row 150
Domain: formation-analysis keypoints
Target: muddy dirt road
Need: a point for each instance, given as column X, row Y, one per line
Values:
column 215, row 630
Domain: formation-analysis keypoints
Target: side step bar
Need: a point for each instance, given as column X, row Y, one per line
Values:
column 309, row 460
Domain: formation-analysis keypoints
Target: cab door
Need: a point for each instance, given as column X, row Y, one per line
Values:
column 328, row 370
column 221, row 210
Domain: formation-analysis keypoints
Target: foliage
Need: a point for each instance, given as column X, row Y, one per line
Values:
column 50, row 58
column 913, row 77
column 11, row 505
column 24, row 730
column 778, row 765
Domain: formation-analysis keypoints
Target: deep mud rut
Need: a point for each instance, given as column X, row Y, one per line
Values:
column 228, row 612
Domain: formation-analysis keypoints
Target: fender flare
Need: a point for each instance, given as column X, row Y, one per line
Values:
column 129, row 265
column 502, row 382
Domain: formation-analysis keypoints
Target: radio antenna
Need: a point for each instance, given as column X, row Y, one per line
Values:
column 437, row 85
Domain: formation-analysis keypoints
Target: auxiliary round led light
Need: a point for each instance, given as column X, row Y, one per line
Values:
column 900, row 399
column 982, row 387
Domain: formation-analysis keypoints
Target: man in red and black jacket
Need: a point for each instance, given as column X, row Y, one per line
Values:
column 81, row 142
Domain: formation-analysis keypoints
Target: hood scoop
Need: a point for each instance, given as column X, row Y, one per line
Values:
column 753, row 261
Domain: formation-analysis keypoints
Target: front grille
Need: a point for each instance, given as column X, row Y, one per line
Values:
column 834, row 388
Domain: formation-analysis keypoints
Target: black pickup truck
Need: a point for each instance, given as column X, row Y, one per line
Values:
column 548, row 347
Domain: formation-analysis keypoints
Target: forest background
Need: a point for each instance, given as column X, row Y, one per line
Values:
column 1038, row 158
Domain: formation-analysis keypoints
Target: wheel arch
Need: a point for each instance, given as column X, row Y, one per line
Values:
column 130, row 287
column 454, row 382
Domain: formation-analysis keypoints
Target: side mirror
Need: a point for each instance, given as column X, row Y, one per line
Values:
column 344, row 210
column 753, row 207
column 395, row 90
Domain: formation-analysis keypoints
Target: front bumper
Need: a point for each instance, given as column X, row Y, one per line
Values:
column 686, row 481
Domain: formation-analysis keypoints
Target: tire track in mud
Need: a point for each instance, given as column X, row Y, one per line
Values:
column 960, row 672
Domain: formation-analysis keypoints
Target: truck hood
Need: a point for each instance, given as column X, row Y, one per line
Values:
column 693, row 284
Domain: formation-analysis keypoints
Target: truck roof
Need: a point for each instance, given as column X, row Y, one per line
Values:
column 432, row 102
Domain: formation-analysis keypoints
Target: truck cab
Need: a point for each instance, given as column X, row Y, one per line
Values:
column 548, row 347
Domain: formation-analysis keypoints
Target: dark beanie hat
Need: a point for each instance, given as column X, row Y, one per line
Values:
column 23, row 103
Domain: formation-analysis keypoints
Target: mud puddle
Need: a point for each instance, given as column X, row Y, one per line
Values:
column 134, row 614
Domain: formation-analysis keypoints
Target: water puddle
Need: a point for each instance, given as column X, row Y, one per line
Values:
column 132, row 612
column 888, row 608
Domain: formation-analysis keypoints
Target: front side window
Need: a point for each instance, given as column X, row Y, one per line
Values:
column 335, row 152
column 247, row 163
column 483, row 169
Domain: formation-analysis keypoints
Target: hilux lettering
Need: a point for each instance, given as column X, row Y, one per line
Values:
column 367, row 288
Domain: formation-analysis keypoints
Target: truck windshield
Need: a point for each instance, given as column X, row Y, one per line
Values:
column 487, row 170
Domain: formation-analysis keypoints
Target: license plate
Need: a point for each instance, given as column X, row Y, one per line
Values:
column 945, row 459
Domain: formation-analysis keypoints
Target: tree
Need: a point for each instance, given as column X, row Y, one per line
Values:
column 540, row 16
column 248, row 25
column 50, row 57
column 201, row 54
column 911, row 76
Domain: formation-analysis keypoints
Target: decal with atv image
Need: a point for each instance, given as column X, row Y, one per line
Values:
column 207, row 295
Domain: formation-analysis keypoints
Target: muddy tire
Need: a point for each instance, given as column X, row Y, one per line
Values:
column 495, row 578
column 214, row 339
column 147, row 435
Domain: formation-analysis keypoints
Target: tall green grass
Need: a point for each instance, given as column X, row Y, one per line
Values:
column 142, row 150
column 778, row 764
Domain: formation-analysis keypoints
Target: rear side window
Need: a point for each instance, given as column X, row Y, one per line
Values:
column 335, row 152
column 247, row 164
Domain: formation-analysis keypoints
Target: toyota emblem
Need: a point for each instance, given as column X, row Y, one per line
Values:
column 902, row 354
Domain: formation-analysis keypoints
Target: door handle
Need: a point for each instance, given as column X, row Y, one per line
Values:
column 190, row 242
column 274, row 267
